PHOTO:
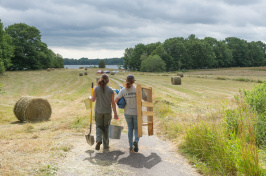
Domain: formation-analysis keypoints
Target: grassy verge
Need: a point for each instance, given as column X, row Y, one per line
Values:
column 236, row 144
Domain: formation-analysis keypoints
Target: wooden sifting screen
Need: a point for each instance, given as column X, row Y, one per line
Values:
column 144, row 109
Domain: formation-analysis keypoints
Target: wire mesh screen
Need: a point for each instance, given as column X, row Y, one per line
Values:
column 146, row 97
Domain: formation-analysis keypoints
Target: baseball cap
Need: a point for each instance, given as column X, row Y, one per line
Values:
column 130, row 77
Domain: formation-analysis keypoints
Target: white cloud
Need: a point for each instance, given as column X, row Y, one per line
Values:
column 78, row 28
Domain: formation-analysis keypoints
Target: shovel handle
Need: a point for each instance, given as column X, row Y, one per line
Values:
column 91, row 102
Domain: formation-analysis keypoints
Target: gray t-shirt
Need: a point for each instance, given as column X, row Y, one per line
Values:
column 103, row 100
column 131, row 100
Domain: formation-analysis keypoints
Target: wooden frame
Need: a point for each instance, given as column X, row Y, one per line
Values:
column 140, row 113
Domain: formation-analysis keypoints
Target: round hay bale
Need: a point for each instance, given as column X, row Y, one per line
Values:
column 85, row 73
column 81, row 67
column 32, row 109
column 180, row 74
column 52, row 69
column 86, row 68
column 80, row 74
column 176, row 80
column 112, row 73
column 48, row 69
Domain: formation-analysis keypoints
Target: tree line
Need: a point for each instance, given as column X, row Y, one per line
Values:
column 193, row 53
column 21, row 48
column 86, row 61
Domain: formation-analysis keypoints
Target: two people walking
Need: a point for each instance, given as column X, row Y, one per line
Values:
column 105, row 103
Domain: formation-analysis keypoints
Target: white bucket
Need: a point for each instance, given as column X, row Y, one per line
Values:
column 115, row 131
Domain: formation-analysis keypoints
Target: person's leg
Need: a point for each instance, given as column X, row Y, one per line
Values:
column 99, row 129
column 130, row 125
column 106, row 122
column 135, row 143
column 135, row 123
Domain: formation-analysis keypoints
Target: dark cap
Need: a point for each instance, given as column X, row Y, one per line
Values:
column 130, row 77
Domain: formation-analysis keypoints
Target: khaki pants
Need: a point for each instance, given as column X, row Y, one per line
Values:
column 102, row 128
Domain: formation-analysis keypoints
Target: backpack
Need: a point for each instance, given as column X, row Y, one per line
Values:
column 121, row 102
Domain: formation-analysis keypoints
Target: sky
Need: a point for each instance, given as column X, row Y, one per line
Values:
column 105, row 28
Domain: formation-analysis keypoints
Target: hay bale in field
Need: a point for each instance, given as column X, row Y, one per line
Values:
column 32, row 109
column 176, row 80
column 80, row 74
column 86, row 68
column 112, row 73
column 85, row 73
column 180, row 74
column 52, row 69
column 81, row 67
column 48, row 69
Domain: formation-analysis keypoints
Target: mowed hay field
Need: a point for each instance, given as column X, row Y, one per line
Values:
column 38, row 148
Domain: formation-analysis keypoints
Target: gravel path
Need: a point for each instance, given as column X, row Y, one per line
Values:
column 156, row 157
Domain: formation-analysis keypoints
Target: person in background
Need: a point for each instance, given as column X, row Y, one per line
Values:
column 104, row 97
column 130, row 111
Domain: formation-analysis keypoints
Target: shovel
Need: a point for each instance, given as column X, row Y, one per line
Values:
column 89, row 137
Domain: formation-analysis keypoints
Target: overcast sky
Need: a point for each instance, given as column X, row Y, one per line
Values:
column 105, row 28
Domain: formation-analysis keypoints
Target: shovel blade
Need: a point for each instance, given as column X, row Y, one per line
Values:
column 89, row 139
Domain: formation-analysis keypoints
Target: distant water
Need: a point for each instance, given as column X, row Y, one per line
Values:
column 77, row 66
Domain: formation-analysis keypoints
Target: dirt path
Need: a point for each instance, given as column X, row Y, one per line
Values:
column 156, row 157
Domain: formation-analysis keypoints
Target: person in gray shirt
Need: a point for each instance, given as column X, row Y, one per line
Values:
column 104, row 96
column 130, row 111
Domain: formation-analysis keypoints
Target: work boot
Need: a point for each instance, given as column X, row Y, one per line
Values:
column 131, row 149
column 97, row 147
column 136, row 148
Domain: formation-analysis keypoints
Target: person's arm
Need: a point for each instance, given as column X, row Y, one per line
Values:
column 116, row 100
column 114, row 107
column 119, row 95
column 93, row 97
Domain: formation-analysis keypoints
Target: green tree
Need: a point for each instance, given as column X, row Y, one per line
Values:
column 153, row 64
column 6, row 49
column 30, row 51
column 200, row 53
column 143, row 57
column 2, row 67
column 168, row 60
column 151, row 47
column 135, row 61
column 102, row 64
column 239, row 50
column 177, row 51
column 27, row 42
column 127, row 57
column 211, row 41
column 256, row 54
column 263, row 47
column 224, row 57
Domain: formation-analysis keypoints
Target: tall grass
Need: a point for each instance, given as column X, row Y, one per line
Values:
column 1, row 92
column 229, row 147
column 208, row 143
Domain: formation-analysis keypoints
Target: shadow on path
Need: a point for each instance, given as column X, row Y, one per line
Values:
column 135, row 160
column 138, row 160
